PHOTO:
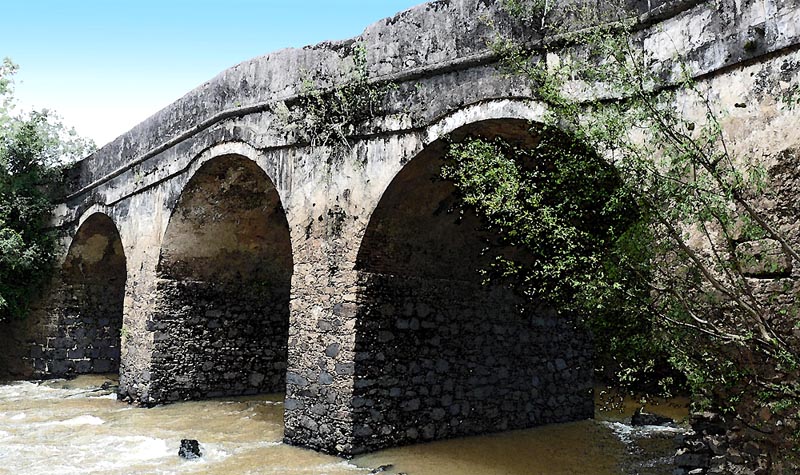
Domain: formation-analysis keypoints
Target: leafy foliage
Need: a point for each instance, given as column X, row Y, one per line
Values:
column 555, row 200
column 329, row 117
column 32, row 149
column 605, row 273
column 576, row 235
column 697, row 201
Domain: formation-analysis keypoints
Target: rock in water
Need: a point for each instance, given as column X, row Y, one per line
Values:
column 641, row 418
column 381, row 469
column 190, row 449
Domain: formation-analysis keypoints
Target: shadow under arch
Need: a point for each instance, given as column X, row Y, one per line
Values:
column 224, row 277
column 438, row 353
column 93, row 276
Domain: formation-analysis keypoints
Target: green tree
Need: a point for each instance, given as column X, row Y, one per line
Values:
column 33, row 149
column 580, row 233
column 686, row 260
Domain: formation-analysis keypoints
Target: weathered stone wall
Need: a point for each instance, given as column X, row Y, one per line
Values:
column 221, row 312
column 74, row 327
column 218, row 339
column 442, row 358
column 761, row 130
column 14, row 359
column 85, row 335
column 438, row 353
column 20, row 337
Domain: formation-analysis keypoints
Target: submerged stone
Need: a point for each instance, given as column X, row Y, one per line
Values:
column 641, row 418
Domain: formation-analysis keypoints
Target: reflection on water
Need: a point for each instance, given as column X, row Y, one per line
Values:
column 73, row 427
column 574, row 448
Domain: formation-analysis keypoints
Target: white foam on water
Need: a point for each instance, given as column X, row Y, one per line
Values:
column 120, row 453
column 47, row 437
column 27, row 391
column 337, row 467
column 661, row 429
column 142, row 448
column 84, row 420
column 14, row 391
column 106, row 396
column 351, row 466
column 626, row 433
column 210, row 453
column 254, row 446
column 267, row 443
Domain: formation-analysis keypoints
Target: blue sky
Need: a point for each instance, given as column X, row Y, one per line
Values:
column 106, row 65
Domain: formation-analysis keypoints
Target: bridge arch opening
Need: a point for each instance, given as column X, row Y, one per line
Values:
column 224, row 277
column 439, row 354
column 93, row 276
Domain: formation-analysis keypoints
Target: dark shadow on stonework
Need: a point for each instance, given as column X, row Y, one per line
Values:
column 89, row 322
column 438, row 353
column 222, row 306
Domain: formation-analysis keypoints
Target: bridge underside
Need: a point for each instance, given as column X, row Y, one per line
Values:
column 438, row 352
column 221, row 318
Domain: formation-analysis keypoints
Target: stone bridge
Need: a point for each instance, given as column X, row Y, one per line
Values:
column 217, row 250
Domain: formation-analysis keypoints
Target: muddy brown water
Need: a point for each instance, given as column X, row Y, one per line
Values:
column 72, row 427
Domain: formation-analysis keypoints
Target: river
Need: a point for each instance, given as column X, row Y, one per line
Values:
column 61, row 427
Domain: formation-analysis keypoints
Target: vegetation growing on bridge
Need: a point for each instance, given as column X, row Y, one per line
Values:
column 32, row 148
column 685, row 263
column 327, row 117
column 586, row 246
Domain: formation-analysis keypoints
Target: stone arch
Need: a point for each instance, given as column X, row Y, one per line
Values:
column 93, row 277
column 497, row 110
column 437, row 353
column 223, row 283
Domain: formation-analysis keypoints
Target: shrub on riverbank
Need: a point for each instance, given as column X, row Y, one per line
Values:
column 33, row 147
